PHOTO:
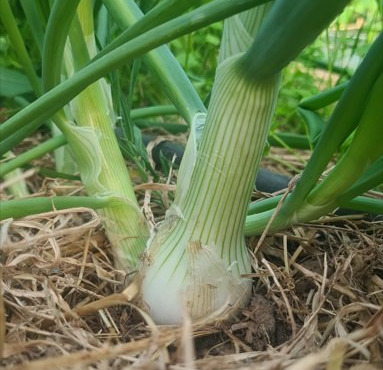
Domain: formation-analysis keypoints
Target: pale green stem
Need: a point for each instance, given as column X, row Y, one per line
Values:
column 199, row 253
column 101, row 164
column 212, row 213
column 225, row 171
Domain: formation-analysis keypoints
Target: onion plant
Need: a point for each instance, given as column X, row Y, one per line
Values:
column 196, row 261
column 199, row 253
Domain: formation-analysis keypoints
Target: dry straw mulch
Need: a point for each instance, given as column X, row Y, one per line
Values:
column 317, row 304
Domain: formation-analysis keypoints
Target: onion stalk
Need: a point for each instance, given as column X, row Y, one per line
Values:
column 95, row 148
column 197, row 258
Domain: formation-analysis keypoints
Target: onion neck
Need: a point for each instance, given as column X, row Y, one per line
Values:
column 198, row 255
